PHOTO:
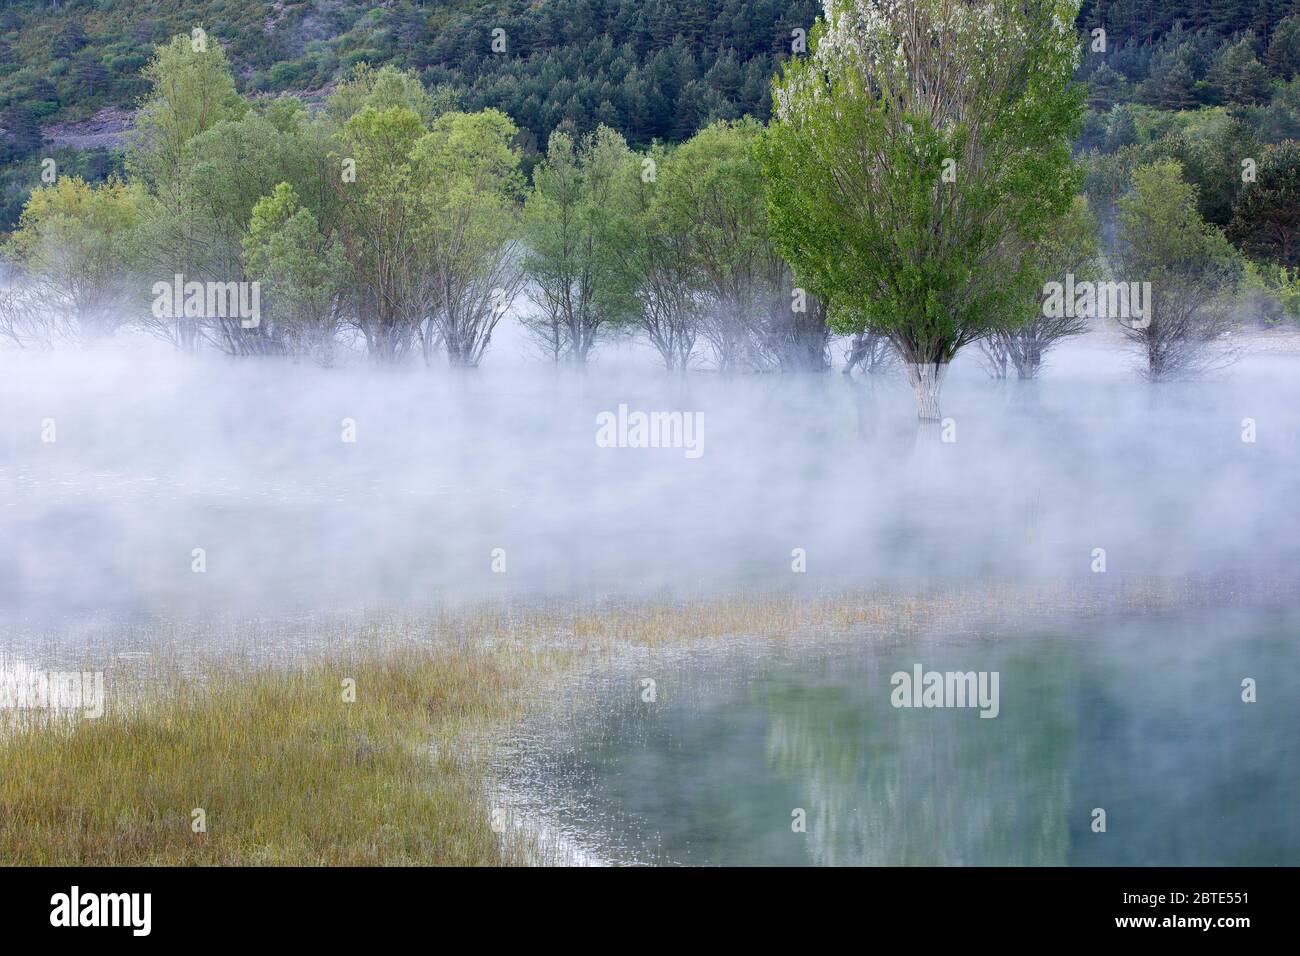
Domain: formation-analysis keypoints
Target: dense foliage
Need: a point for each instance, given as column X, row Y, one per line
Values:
column 613, row 162
column 917, row 160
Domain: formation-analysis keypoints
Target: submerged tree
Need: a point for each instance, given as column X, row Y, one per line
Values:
column 23, row 323
column 192, row 90
column 303, row 271
column 466, row 184
column 869, row 351
column 1070, row 249
column 711, row 192
column 1192, row 269
column 660, row 257
column 575, row 226
column 378, row 228
column 915, row 158
column 78, row 247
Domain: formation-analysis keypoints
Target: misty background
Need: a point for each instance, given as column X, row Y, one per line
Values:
column 156, row 455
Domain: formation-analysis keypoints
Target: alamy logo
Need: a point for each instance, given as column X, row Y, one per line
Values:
column 208, row 300
column 947, row 689
column 1128, row 302
column 103, row 909
column 651, row 430
column 66, row 691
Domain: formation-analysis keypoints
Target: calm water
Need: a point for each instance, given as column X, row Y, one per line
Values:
column 1143, row 718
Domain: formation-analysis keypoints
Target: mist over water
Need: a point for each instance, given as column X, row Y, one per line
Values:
column 156, row 455
column 1140, row 717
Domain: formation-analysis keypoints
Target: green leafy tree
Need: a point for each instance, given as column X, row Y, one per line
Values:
column 378, row 227
column 1280, row 119
column 916, row 158
column 428, row 226
column 1070, row 248
column 237, row 163
column 1211, row 158
column 191, row 91
column 303, row 273
column 1283, row 55
column 1271, row 292
column 1171, row 84
column 1266, row 217
column 1192, row 269
column 384, row 88
column 465, row 174
column 1105, row 88
column 575, row 228
column 1121, row 128
column 661, row 258
column 78, row 246
column 1239, row 76
column 712, row 192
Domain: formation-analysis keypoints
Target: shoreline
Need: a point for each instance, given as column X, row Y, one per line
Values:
column 289, row 773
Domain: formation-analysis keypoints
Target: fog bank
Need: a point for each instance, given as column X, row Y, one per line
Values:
column 154, row 456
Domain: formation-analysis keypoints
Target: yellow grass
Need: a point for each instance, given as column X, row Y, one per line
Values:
column 284, row 770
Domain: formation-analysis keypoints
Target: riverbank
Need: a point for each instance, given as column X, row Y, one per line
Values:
column 380, row 753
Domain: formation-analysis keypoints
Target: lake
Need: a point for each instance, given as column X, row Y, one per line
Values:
column 1140, row 717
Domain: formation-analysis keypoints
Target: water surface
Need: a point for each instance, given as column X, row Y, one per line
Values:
column 1143, row 718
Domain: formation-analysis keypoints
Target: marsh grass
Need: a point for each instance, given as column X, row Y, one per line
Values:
column 288, row 773
column 285, row 770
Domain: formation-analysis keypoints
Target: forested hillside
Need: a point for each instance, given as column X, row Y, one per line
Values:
column 655, row 69
column 651, row 68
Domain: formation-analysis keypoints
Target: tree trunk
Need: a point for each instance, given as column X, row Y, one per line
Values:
column 926, row 380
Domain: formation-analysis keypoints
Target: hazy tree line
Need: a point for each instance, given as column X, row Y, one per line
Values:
column 395, row 217
column 916, row 197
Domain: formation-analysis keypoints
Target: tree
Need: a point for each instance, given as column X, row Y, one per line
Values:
column 69, row 40
column 91, row 75
column 915, row 159
column 236, row 163
column 22, row 131
column 660, row 259
column 191, row 91
column 1121, row 128
column 465, row 176
column 869, row 351
column 1070, row 248
column 1281, row 118
column 711, row 192
column 1266, row 217
column 378, row 226
column 1239, row 76
column 1192, row 269
column 303, row 271
column 579, row 261
column 1211, row 153
column 1172, row 82
column 78, row 246
column 1105, row 87
column 1283, row 55
column 385, row 88
column 1178, row 90
column 23, row 323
